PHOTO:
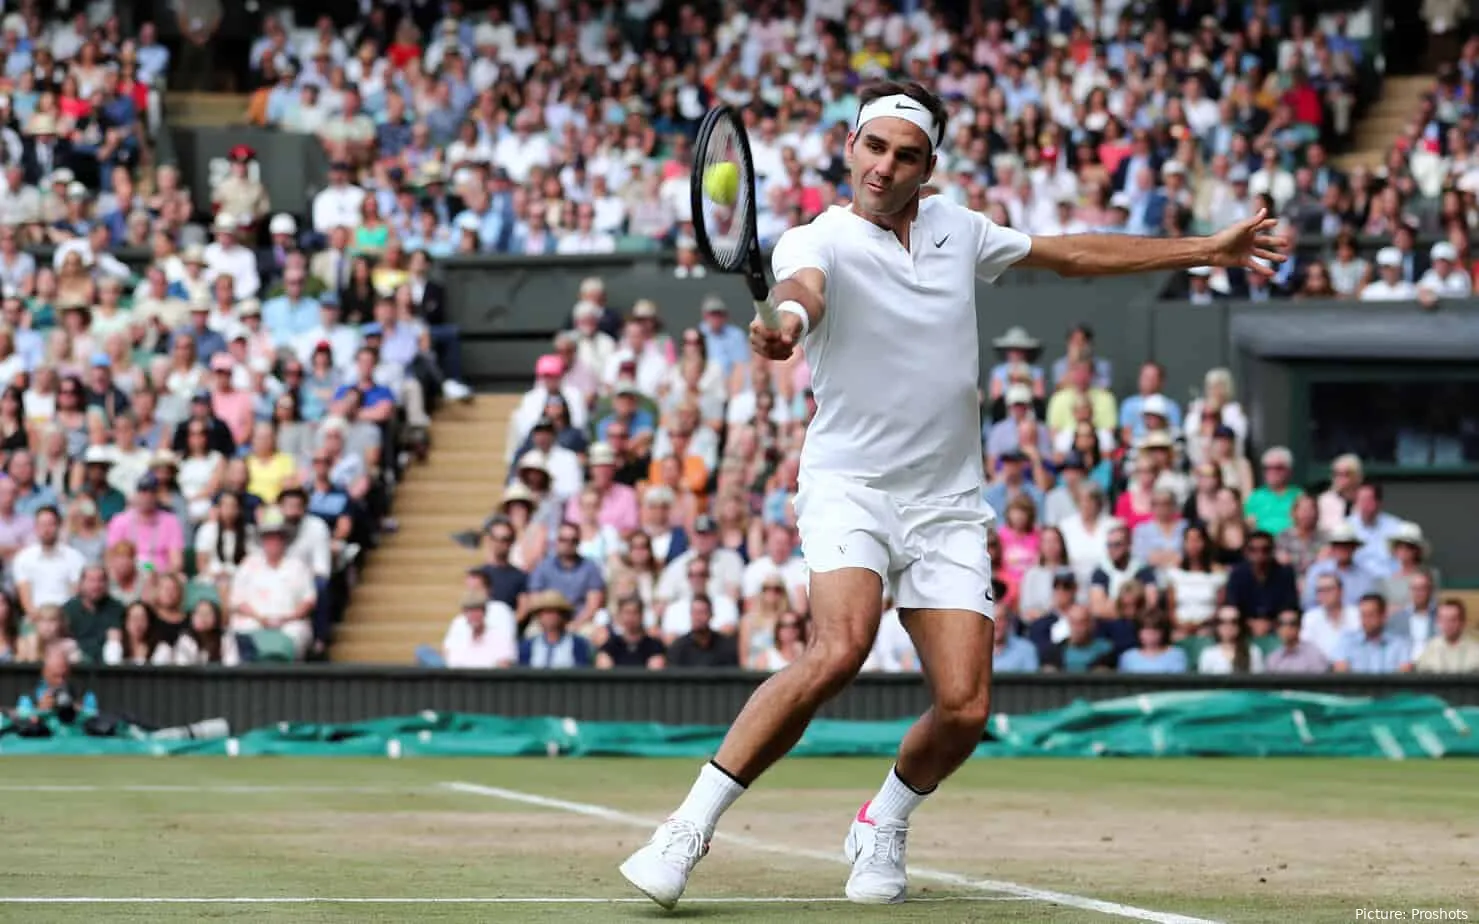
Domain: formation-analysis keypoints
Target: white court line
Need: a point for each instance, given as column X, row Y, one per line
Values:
column 177, row 900
column 380, row 790
column 955, row 879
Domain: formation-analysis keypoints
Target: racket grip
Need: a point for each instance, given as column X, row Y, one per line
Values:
column 767, row 314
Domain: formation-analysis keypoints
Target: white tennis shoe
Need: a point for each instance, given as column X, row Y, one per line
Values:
column 660, row 869
column 876, row 851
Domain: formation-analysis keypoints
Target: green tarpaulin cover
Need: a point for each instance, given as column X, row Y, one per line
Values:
column 1246, row 724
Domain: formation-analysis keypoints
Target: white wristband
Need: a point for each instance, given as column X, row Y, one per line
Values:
column 791, row 306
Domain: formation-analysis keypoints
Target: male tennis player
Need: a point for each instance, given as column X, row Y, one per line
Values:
column 883, row 296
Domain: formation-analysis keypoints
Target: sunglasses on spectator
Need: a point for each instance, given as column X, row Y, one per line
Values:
column 788, row 625
column 1292, row 623
column 501, row 537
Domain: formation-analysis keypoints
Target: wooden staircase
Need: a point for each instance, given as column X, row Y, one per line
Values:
column 1387, row 118
column 415, row 580
column 206, row 110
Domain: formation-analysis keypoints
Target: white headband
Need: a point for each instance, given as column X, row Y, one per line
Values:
column 903, row 107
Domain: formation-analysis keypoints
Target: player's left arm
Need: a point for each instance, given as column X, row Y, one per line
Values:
column 1251, row 244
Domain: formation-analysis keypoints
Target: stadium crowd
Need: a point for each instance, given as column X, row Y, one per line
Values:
column 235, row 412
column 198, row 445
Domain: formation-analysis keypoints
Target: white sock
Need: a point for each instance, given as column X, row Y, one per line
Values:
column 896, row 800
column 712, row 794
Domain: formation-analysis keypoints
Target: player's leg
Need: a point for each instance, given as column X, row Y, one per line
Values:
column 954, row 648
column 846, row 605
column 944, row 603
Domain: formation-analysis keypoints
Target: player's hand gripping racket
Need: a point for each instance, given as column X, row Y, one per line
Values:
column 723, row 191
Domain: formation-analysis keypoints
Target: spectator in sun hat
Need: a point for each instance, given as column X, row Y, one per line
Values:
column 1355, row 580
column 1445, row 279
column 228, row 256
column 1005, row 435
column 1389, row 286
column 567, row 476
column 553, row 646
column 1016, row 346
column 282, row 233
column 593, row 347
column 97, row 462
column 1148, row 398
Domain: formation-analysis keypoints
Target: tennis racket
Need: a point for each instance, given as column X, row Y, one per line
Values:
column 725, row 230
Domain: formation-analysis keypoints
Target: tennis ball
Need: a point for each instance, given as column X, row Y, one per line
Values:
column 721, row 183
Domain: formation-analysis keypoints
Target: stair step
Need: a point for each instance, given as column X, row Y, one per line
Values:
column 206, row 109
column 392, row 631
column 434, row 612
column 376, row 652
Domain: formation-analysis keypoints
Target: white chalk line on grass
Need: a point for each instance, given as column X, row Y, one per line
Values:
column 535, row 900
column 932, row 875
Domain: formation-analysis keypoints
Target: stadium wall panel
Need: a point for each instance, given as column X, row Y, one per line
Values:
column 257, row 696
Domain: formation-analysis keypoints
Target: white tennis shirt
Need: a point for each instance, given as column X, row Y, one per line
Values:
column 895, row 363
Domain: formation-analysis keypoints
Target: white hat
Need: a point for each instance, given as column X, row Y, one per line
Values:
column 1157, row 405
column 467, row 221
column 1389, row 256
column 1172, row 167
column 1019, row 394
column 586, row 309
column 224, row 224
column 1343, row 534
column 283, row 223
column 98, row 455
column 601, row 454
column 657, row 494
column 76, row 190
column 1408, row 533
column 533, row 460
column 1203, row 271
column 1016, row 338
column 1120, row 201
column 61, row 175
column 1444, row 251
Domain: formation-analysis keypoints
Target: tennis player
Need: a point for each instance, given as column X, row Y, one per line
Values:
column 883, row 296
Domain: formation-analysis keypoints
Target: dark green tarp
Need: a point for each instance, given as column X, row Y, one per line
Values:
column 1231, row 724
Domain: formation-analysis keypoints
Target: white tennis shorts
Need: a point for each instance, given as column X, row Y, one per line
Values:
column 930, row 555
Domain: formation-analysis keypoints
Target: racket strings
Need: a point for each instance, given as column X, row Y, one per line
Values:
column 726, row 225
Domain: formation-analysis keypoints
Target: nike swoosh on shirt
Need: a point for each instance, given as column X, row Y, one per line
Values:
column 941, row 242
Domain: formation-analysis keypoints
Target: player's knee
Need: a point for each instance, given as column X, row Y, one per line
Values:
column 966, row 710
column 833, row 665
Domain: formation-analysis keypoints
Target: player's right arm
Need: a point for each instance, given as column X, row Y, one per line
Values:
column 800, row 263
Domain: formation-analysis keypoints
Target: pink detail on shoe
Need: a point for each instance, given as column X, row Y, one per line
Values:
column 863, row 814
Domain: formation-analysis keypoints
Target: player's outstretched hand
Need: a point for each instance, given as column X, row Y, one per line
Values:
column 1251, row 244
column 779, row 343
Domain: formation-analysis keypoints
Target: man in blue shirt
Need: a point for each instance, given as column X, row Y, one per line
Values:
column 1011, row 482
column 577, row 578
column 725, row 343
column 1374, row 528
column 207, row 342
column 1372, row 649
column 292, row 313
column 1355, row 581
column 377, row 402
column 1014, row 654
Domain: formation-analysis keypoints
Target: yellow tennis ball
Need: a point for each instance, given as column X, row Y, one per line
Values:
column 721, row 183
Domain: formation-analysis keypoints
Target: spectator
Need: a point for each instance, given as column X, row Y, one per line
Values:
column 1355, row 581
column 92, row 615
column 1375, row 529
column 1011, row 482
column 1194, row 585
column 46, row 572
column 272, row 594
column 1259, row 586
column 554, row 646
column 1012, row 654
column 1389, row 286
column 1083, row 650
column 1413, row 608
column 677, row 614
column 1154, row 654
column 482, row 636
column 629, row 645
column 1371, row 649
column 1231, row 652
column 1300, row 545
column 702, row 647
column 1118, row 566
column 1450, row 651
column 576, row 579
column 1158, row 540
column 155, row 533
column 1270, row 507
column 1331, row 618
column 140, row 641
column 1294, row 655
column 506, row 582
column 205, row 639
column 1079, row 383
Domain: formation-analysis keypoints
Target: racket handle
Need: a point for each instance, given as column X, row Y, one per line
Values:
column 767, row 314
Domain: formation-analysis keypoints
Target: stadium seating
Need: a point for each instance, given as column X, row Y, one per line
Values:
column 265, row 375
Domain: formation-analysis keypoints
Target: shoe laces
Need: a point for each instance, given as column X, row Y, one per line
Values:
column 888, row 842
column 681, row 842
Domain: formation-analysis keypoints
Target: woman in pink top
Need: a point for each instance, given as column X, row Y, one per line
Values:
column 232, row 406
column 1021, row 541
column 1134, row 505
